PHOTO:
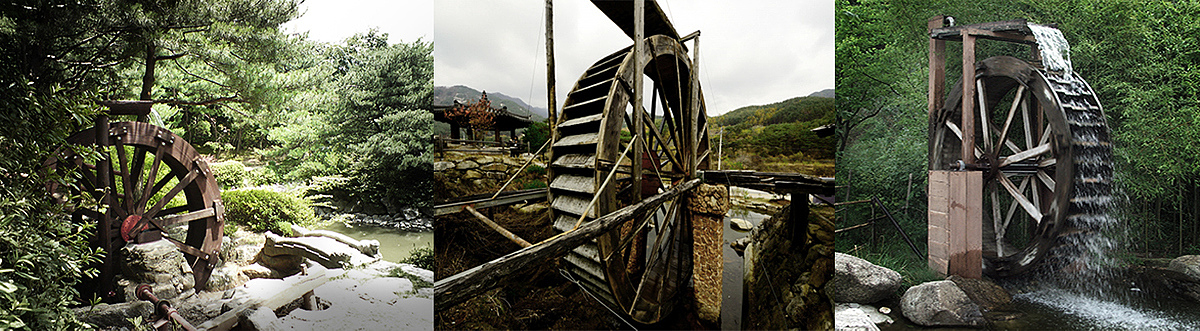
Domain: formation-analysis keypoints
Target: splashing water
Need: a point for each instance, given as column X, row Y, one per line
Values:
column 1056, row 52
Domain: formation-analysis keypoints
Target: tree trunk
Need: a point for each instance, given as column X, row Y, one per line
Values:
column 148, row 76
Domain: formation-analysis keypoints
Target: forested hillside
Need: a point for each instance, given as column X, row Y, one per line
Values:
column 1139, row 56
column 777, row 136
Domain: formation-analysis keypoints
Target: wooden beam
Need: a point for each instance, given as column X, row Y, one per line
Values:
column 462, row 286
column 504, row 232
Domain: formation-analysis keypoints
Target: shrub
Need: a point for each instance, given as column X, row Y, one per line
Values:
column 422, row 257
column 536, row 170
column 262, row 176
column 266, row 210
column 230, row 174
column 533, row 184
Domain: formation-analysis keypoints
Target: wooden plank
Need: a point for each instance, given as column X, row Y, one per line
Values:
column 301, row 284
column 574, row 183
column 482, row 201
column 462, row 286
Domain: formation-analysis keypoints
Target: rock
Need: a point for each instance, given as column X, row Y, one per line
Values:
column 368, row 247
column 533, row 208
column 1188, row 265
column 117, row 315
column 740, row 224
column 225, row 278
column 283, row 264
column 495, row 167
column 485, row 160
column 468, row 164
column 984, row 293
column 259, row 271
column 850, row 317
column 940, row 303
column 326, row 251
column 859, row 281
column 159, row 264
column 739, row 246
column 472, row 174
column 442, row 165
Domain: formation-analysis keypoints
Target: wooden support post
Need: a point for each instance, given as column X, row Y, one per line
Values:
column 937, row 70
column 462, row 286
column 104, row 228
column 504, row 232
column 552, row 105
column 639, row 46
column 968, row 98
column 695, row 102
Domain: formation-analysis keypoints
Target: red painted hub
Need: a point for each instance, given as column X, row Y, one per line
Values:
column 127, row 226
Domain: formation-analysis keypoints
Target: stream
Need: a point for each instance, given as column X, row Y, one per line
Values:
column 731, row 276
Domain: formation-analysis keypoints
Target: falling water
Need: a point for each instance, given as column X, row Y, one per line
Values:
column 1056, row 52
column 1082, row 280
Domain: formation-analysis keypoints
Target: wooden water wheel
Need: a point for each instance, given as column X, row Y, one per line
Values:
column 1043, row 144
column 142, row 183
column 640, row 267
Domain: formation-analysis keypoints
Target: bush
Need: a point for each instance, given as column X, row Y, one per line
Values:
column 536, row 170
column 230, row 174
column 422, row 257
column 266, row 210
column 262, row 176
column 533, row 184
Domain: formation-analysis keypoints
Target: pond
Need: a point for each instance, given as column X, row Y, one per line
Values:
column 395, row 244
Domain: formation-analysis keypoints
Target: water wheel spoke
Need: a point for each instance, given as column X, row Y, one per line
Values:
column 1012, row 111
column 1046, row 163
column 138, row 166
column 151, row 188
column 1020, row 198
column 983, row 118
column 958, row 132
column 1025, row 155
column 1012, row 209
column 996, row 222
column 127, row 186
column 1026, row 121
column 190, row 250
column 170, row 220
column 187, row 180
column 1046, row 180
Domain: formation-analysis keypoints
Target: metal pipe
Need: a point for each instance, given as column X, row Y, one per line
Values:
column 163, row 308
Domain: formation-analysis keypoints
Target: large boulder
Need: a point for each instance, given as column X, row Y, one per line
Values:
column 984, row 293
column 1188, row 265
column 159, row 264
column 940, row 303
column 860, row 281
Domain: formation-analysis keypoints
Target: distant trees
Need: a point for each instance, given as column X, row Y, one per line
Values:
column 474, row 116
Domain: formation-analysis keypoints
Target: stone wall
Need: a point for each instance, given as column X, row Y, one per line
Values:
column 464, row 174
column 785, row 288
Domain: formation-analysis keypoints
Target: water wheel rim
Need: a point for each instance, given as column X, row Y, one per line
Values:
column 645, row 299
column 202, row 213
column 1053, row 181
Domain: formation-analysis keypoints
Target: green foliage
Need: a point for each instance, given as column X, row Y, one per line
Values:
column 782, row 128
column 533, row 184
column 422, row 257
column 230, row 174
column 262, row 176
column 535, row 170
column 536, row 135
column 266, row 210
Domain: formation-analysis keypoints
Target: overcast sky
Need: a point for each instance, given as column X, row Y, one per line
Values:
column 335, row 20
column 751, row 52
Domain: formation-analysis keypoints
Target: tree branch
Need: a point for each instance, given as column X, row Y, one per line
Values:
column 177, row 102
column 197, row 76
